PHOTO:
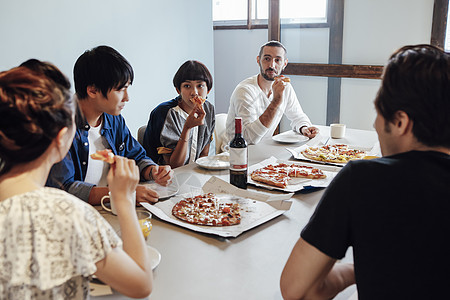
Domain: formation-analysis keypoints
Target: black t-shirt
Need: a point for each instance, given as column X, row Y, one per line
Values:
column 395, row 213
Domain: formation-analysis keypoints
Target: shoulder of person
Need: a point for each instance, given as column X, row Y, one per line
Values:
column 364, row 169
column 247, row 86
column 208, row 106
column 165, row 106
column 67, row 202
column 111, row 119
column 249, row 82
column 172, row 118
column 159, row 114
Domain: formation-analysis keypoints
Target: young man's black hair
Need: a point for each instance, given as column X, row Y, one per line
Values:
column 102, row 67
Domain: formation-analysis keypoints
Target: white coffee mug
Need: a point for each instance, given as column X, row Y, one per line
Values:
column 337, row 131
column 111, row 201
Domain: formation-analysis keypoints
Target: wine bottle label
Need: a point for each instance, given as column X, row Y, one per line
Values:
column 238, row 159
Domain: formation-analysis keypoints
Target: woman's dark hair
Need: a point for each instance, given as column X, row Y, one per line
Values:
column 48, row 70
column 33, row 109
column 416, row 80
column 192, row 70
column 102, row 67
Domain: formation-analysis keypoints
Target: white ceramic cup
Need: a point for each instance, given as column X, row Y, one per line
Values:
column 111, row 201
column 337, row 131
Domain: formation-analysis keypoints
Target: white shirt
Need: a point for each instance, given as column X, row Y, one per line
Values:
column 97, row 170
column 249, row 102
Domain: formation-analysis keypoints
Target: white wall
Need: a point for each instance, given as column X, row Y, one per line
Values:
column 155, row 36
column 372, row 31
column 235, row 52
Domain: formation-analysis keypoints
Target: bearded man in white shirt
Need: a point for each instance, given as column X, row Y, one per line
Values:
column 262, row 99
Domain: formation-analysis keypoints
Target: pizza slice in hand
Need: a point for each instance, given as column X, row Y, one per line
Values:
column 198, row 100
column 282, row 78
column 105, row 155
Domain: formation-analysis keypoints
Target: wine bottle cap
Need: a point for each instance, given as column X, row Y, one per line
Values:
column 238, row 125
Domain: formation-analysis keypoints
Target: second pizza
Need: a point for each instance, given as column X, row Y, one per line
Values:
column 279, row 174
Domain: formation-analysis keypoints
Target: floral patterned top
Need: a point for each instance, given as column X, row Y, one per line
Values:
column 49, row 244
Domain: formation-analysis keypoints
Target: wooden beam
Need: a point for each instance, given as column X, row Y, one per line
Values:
column 265, row 26
column 274, row 31
column 334, row 70
column 274, row 21
column 249, row 15
column 439, row 25
column 336, row 20
column 233, row 27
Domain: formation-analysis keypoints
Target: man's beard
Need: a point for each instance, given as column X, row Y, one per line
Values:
column 265, row 76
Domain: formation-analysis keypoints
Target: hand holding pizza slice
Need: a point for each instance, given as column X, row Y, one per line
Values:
column 196, row 117
column 105, row 155
column 198, row 100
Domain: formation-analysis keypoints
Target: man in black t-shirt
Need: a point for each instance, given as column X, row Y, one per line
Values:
column 394, row 211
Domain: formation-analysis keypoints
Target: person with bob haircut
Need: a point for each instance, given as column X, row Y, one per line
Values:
column 52, row 242
column 394, row 210
column 180, row 131
column 102, row 77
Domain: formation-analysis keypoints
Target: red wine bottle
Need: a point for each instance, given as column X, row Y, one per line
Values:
column 238, row 157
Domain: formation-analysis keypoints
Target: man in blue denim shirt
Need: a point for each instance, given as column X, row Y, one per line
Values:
column 102, row 77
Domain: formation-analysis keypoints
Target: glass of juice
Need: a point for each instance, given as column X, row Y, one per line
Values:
column 145, row 221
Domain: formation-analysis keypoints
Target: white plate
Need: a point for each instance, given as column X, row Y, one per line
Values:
column 163, row 191
column 155, row 257
column 216, row 162
column 290, row 138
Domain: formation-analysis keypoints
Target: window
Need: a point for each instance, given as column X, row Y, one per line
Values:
column 235, row 12
column 229, row 10
column 303, row 11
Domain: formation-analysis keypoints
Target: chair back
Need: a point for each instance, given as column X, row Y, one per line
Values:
column 220, row 131
column 140, row 134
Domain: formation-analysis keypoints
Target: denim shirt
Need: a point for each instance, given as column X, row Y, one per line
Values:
column 70, row 173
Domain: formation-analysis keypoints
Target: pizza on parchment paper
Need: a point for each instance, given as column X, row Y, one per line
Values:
column 279, row 175
column 338, row 153
column 207, row 210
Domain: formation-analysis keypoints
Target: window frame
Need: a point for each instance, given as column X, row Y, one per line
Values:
column 251, row 24
column 334, row 69
column 439, row 26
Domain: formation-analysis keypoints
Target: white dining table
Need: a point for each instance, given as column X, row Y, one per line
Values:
column 203, row 267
